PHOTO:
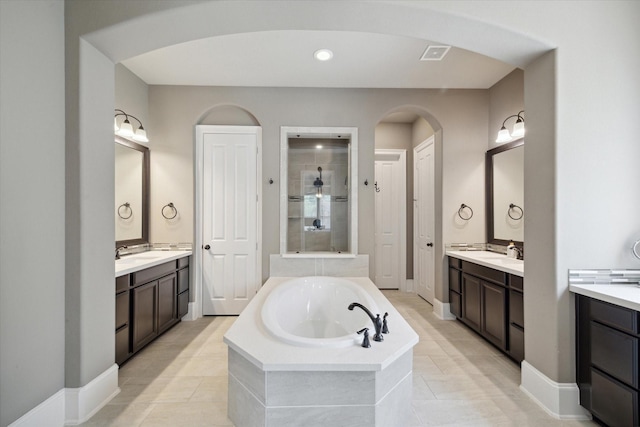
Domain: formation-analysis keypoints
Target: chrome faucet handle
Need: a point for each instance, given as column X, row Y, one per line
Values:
column 365, row 340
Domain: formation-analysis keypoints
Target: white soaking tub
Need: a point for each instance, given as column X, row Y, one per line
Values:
column 294, row 357
column 312, row 312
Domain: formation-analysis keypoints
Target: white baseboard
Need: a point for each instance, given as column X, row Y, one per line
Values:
column 442, row 310
column 48, row 413
column 73, row 406
column 408, row 287
column 560, row 400
column 192, row 313
column 81, row 403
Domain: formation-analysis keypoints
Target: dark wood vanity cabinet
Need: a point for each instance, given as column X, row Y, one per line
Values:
column 150, row 302
column 481, row 298
column 607, row 368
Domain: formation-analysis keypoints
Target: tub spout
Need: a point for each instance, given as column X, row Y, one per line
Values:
column 377, row 322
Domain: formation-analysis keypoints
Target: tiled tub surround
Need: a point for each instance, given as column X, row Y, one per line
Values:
column 319, row 264
column 272, row 383
column 619, row 287
column 493, row 260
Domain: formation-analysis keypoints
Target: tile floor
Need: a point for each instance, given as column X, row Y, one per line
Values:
column 458, row 378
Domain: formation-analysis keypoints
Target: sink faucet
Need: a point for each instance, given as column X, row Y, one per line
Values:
column 377, row 322
column 519, row 252
column 118, row 250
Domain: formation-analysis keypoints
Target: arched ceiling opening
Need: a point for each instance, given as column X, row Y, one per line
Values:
column 382, row 21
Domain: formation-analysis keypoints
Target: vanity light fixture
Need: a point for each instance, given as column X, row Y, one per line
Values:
column 323, row 54
column 126, row 130
column 518, row 129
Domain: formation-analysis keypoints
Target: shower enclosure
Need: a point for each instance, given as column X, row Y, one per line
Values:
column 318, row 195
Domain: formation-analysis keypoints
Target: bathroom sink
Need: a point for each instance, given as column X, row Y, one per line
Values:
column 134, row 259
column 127, row 261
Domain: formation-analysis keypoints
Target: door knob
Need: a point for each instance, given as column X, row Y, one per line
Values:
column 430, row 245
column 207, row 247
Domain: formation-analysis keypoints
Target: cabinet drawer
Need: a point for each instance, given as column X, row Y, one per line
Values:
column 454, row 280
column 516, row 282
column 151, row 273
column 122, row 309
column 619, row 317
column 615, row 353
column 183, row 304
column 613, row 403
column 123, row 347
column 454, row 262
column 122, row 283
column 183, row 262
column 516, row 308
column 484, row 272
column 183, row 280
column 455, row 304
column 516, row 343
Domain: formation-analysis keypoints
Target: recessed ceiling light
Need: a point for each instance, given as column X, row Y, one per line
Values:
column 323, row 54
column 319, row 147
column 435, row 53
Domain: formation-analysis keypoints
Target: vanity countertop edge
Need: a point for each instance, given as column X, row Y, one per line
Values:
column 140, row 261
column 492, row 260
column 621, row 295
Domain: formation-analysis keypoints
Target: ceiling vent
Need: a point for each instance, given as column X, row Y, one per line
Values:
column 435, row 53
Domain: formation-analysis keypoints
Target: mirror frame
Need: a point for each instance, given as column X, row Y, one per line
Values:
column 144, row 239
column 489, row 190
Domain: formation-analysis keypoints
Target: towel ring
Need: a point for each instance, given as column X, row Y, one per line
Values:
column 513, row 207
column 170, row 206
column 462, row 208
column 636, row 249
column 126, row 206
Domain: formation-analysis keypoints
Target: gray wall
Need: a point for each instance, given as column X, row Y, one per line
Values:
column 175, row 110
column 32, row 314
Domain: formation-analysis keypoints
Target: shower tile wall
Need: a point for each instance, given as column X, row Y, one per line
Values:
column 303, row 165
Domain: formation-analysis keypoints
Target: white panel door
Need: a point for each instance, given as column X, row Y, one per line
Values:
column 230, row 277
column 424, row 219
column 390, row 219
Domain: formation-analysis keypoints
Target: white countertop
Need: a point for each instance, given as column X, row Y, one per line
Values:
column 492, row 260
column 136, row 262
column 249, row 337
column 623, row 295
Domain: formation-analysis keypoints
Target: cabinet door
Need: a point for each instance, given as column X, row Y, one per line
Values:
column 494, row 314
column 145, row 314
column 471, row 297
column 167, row 305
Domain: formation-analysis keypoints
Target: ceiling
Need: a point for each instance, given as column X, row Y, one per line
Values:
column 285, row 59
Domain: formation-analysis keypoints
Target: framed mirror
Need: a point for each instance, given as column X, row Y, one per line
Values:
column 318, row 185
column 131, row 193
column 505, row 194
